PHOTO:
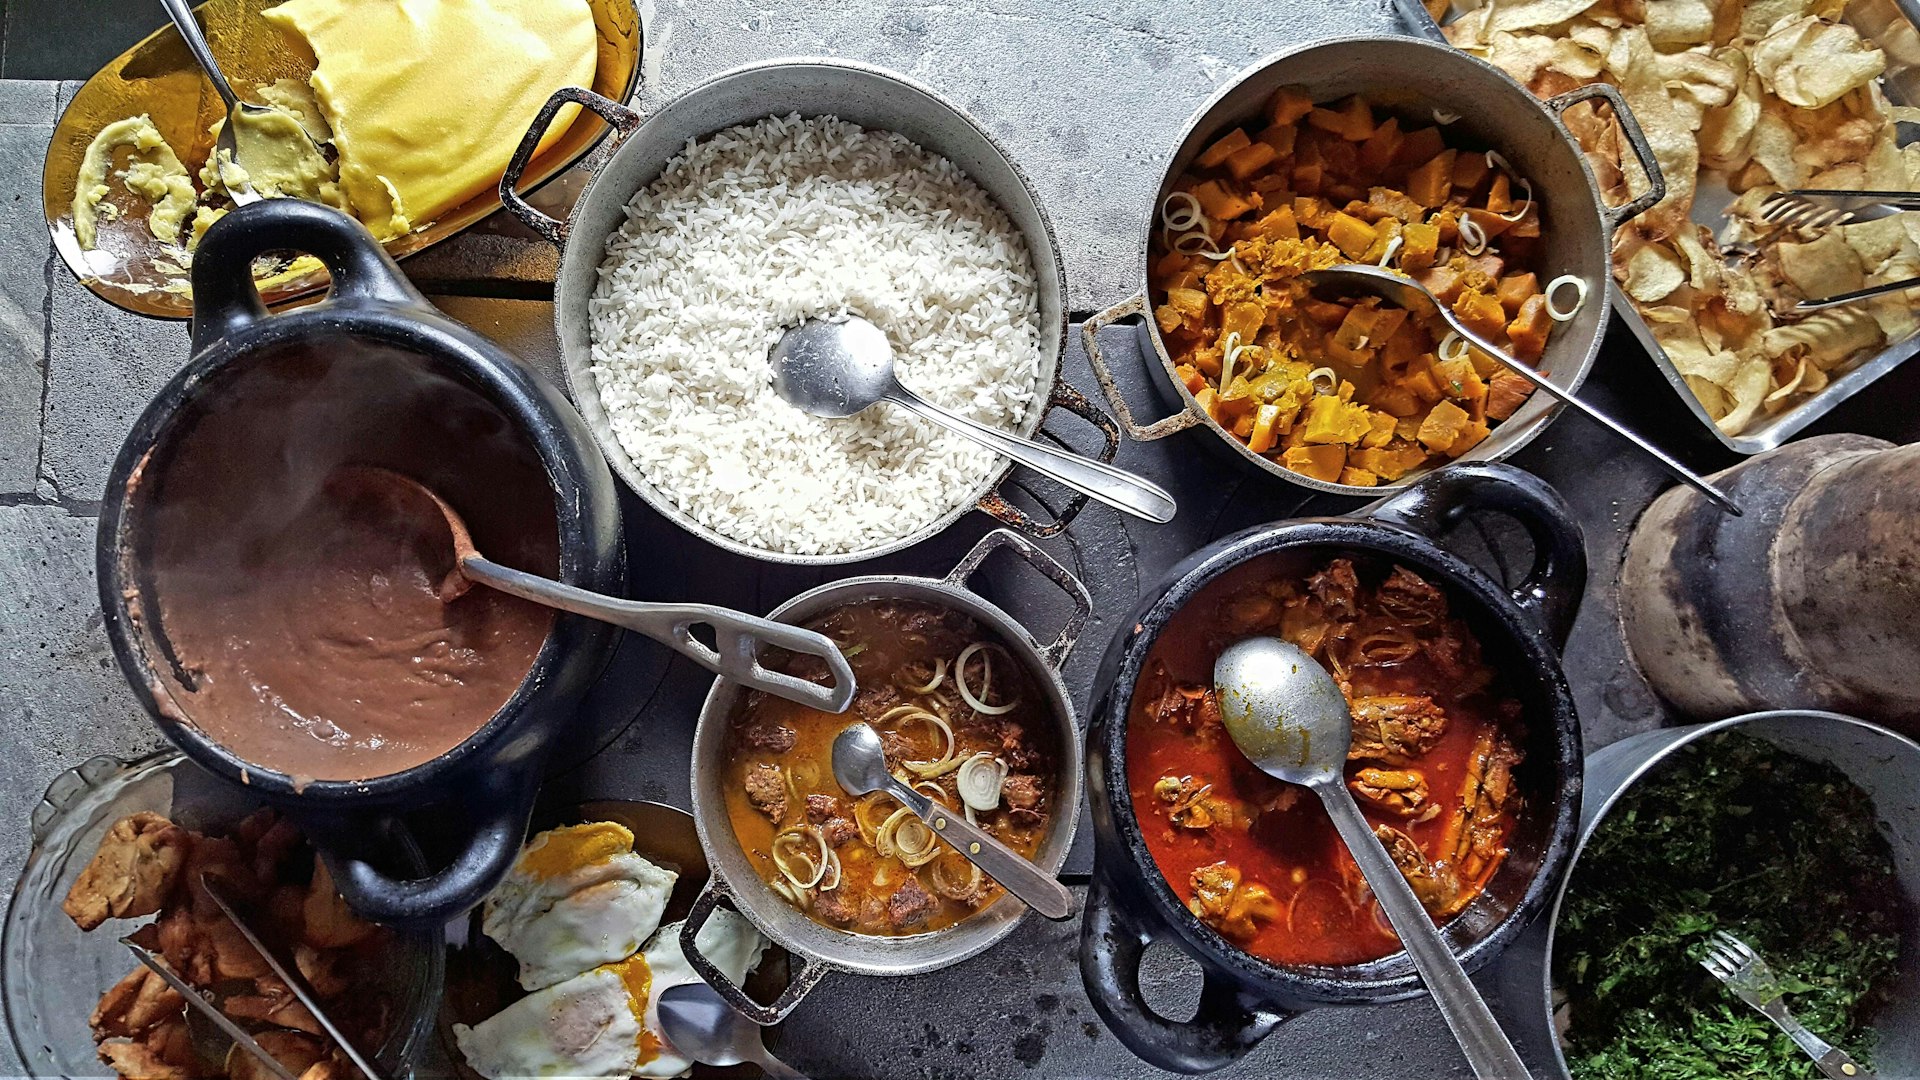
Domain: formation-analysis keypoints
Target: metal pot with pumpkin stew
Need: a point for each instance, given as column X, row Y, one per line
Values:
column 1366, row 150
column 972, row 713
column 1465, row 758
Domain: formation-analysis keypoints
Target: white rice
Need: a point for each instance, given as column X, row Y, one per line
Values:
column 760, row 227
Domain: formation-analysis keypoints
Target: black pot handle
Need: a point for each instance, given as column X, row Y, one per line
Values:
column 804, row 972
column 1552, row 588
column 1227, row 1025
column 225, row 299
column 500, row 806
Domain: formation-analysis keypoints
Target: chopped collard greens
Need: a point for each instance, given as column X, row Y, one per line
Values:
column 1730, row 833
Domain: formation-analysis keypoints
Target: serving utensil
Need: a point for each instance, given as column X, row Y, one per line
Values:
column 739, row 637
column 1288, row 716
column 1406, row 293
column 1805, row 210
column 226, row 152
column 701, row 1025
column 293, row 980
column 860, row 765
column 207, row 1010
column 839, row 367
column 1744, row 972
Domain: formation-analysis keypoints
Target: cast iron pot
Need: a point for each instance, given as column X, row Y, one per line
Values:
column 1129, row 904
column 1413, row 79
column 491, row 777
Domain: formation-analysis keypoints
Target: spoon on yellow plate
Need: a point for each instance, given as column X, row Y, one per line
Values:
column 1290, row 719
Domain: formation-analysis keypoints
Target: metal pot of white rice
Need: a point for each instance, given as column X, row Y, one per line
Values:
column 770, row 194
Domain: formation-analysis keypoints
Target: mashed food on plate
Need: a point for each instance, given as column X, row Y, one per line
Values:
column 419, row 104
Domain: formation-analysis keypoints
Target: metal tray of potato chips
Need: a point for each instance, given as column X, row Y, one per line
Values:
column 1890, row 26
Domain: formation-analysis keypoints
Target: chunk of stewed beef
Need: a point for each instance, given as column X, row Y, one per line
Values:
column 833, row 906
column 910, row 905
column 767, row 737
column 1023, row 791
column 767, row 791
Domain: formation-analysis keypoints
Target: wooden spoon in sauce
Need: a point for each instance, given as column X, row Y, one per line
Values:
column 740, row 636
column 1288, row 716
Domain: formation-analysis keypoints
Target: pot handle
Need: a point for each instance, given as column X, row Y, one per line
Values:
column 1643, row 150
column 623, row 122
column 1064, row 396
column 805, row 972
column 1227, row 1024
column 1055, row 653
column 225, row 298
column 500, row 803
column 1552, row 588
column 1090, row 337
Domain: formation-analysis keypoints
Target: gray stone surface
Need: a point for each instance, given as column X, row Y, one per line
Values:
column 26, row 122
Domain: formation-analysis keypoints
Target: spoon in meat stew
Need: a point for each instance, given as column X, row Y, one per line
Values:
column 860, row 766
column 740, row 637
column 1288, row 716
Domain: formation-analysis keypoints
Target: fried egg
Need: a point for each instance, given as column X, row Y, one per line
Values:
column 577, row 898
column 605, row 1022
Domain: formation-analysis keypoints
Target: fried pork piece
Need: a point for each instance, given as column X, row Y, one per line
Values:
column 296, row 1051
column 132, row 874
column 1397, row 791
column 1234, row 907
column 163, row 1053
column 1395, row 728
column 1411, row 599
column 1191, row 803
column 135, row 1004
column 1436, row 884
column 272, row 1002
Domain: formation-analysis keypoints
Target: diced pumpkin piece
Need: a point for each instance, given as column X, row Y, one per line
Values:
column 1383, row 428
column 1288, row 104
column 1462, row 383
column 1312, row 213
column 1418, row 245
column 1395, row 203
column 1221, row 203
column 1385, row 232
column 1390, row 465
column 1396, row 400
column 1430, row 183
column 1266, row 423
column 1353, row 477
column 1223, row 148
column 1207, row 400
column 1168, row 317
column 1514, row 289
column 1376, row 154
column 1331, row 420
column 1279, row 225
column 1322, row 462
column 1444, row 424
column 1491, row 224
column 1308, row 177
column 1351, row 235
column 1420, row 144
column 1489, row 266
column 1499, row 194
column 1190, row 377
column 1242, row 317
column 1325, row 312
column 1506, row 392
column 1280, row 137
column 1469, row 437
column 1424, row 384
column 1481, row 312
column 1352, row 121
column 1245, row 162
column 1444, row 282
column 1529, row 329
column 1190, row 303
column 1468, row 170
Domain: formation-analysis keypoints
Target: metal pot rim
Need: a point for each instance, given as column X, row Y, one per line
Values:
column 584, row 389
column 1372, row 981
column 1160, row 363
column 1550, row 918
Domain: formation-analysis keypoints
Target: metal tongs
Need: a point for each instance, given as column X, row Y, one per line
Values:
column 1813, row 209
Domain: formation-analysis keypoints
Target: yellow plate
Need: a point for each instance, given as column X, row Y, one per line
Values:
column 158, row 77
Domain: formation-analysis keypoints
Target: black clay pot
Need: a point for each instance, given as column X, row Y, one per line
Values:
column 487, row 782
column 1130, row 905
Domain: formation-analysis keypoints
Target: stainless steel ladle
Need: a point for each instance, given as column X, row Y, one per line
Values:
column 1357, row 279
column 860, row 765
column 700, row 1025
column 839, row 367
column 1288, row 716
column 740, row 637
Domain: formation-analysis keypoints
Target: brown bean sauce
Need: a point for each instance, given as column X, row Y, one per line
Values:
column 778, row 776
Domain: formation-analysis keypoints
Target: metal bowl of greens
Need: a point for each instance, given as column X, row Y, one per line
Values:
column 1799, row 832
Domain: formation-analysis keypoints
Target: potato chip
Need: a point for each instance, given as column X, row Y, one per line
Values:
column 1631, row 61
column 1726, row 133
column 1760, row 16
column 1822, row 266
column 1653, row 272
column 1811, row 63
column 1535, row 14
column 1679, row 23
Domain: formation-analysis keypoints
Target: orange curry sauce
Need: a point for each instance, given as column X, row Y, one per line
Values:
column 1315, row 908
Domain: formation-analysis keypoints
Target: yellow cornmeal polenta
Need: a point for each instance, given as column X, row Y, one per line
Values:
column 428, row 98
column 154, row 173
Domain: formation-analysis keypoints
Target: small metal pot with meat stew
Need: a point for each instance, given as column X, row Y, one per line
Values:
column 1346, row 151
column 1466, row 759
column 973, row 714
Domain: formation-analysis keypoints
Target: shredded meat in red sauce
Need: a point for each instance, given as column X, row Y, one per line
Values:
column 1432, row 763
